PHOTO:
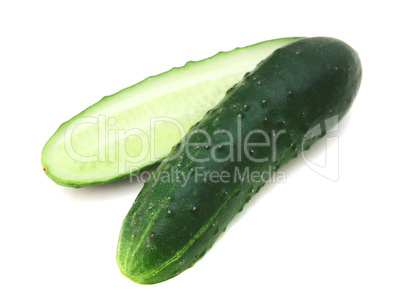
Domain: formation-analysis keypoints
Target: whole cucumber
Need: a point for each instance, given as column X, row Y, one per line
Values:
column 260, row 124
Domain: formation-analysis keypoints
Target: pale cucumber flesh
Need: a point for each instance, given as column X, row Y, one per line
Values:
column 136, row 127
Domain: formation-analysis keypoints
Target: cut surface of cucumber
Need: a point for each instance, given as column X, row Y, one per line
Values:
column 137, row 126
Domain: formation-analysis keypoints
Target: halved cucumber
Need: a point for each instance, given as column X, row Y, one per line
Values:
column 137, row 126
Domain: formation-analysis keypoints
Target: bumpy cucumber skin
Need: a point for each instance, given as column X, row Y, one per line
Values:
column 189, row 64
column 171, row 225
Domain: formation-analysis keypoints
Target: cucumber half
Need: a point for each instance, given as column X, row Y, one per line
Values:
column 137, row 126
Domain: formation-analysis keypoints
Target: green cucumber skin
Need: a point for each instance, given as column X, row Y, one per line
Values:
column 171, row 225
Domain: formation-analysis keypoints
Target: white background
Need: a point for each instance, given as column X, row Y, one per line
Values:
column 307, row 237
